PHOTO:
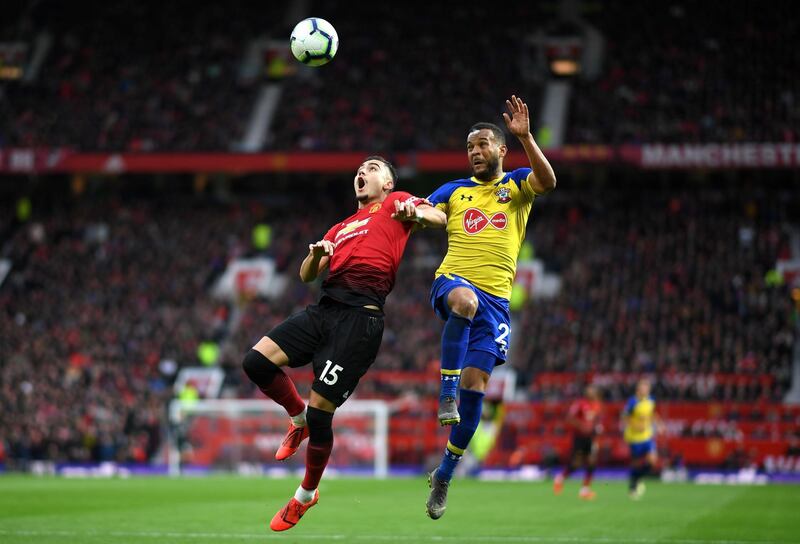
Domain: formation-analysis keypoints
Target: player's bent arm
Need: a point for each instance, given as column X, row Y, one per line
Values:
column 316, row 261
column 424, row 215
column 312, row 267
column 429, row 216
column 543, row 178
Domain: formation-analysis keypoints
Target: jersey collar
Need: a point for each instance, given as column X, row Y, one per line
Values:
column 480, row 182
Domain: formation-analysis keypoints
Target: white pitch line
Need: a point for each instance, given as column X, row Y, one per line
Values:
column 384, row 538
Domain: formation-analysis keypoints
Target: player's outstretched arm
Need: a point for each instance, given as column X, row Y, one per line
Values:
column 424, row 214
column 319, row 255
column 543, row 178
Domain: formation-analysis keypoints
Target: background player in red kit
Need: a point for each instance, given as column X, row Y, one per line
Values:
column 341, row 334
column 584, row 421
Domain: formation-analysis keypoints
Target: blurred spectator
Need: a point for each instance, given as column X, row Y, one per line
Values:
column 108, row 296
column 150, row 76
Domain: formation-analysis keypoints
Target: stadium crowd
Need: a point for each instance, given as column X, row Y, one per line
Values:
column 100, row 306
column 692, row 72
column 671, row 281
column 108, row 295
column 698, row 72
column 141, row 76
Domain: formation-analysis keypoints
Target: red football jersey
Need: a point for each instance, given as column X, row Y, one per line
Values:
column 369, row 246
column 587, row 413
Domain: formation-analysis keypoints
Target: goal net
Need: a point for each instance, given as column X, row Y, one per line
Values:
column 236, row 435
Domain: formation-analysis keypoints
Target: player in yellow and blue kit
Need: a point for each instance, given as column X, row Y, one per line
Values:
column 640, row 419
column 486, row 218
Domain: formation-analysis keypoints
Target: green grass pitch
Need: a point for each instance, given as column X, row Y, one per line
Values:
column 231, row 509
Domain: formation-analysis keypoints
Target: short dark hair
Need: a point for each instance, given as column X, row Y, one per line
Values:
column 386, row 163
column 499, row 135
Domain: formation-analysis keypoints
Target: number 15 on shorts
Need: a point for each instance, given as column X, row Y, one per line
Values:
column 330, row 374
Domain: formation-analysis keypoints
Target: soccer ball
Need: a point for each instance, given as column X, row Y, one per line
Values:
column 314, row 41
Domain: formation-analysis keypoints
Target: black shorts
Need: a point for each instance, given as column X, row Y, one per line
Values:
column 340, row 340
column 582, row 445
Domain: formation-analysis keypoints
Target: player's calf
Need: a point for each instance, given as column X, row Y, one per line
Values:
column 273, row 382
column 320, row 445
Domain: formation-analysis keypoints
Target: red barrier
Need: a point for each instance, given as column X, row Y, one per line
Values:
column 535, row 433
column 648, row 156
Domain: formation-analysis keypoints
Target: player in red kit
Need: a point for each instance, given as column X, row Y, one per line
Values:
column 584, row 421
column 341, row 334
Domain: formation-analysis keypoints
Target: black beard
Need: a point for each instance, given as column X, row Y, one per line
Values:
column 492, row 166
column 362, row 198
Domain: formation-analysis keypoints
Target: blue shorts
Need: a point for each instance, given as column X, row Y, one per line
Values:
column 640, row 449
column 490, row 333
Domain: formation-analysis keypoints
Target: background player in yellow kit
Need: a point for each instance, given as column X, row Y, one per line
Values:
column 640, row 421
column 486, row 218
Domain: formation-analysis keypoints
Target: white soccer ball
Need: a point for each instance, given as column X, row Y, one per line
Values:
column 314, row 41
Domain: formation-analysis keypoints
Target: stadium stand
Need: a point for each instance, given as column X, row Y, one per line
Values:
column 106, row 288
column 109, row 86
column 661, row 275
column 696, row 72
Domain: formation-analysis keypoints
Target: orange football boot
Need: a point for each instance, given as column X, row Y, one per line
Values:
column 294, row 437
column 558, row 484
column 288, row 516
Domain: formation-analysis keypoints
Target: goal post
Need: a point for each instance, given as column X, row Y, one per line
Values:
column 242, row 435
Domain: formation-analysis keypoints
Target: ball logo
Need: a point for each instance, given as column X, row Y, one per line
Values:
column 475, row 221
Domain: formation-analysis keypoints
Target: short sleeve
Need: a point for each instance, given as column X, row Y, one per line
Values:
column 403, row 196
column 521, row 178
column 440, row 198
column 574, row 409
column 331, row 234
column 629, row 406
column 440, row 195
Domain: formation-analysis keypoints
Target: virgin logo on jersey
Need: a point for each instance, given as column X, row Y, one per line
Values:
column 475, row 221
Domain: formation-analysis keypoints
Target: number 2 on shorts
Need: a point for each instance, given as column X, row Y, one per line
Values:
column 501, row 340
column 330, row 375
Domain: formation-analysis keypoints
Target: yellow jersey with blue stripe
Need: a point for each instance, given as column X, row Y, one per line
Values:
column 486, row 223
column 639, row 427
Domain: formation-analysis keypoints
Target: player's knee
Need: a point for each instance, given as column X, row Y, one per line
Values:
column 463, row 302
column 474, row 379
column 320, row 425
column 259, row 369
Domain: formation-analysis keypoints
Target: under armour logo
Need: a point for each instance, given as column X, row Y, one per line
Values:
column 466, row 197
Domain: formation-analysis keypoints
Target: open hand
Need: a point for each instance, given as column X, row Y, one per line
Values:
column 517, row 119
